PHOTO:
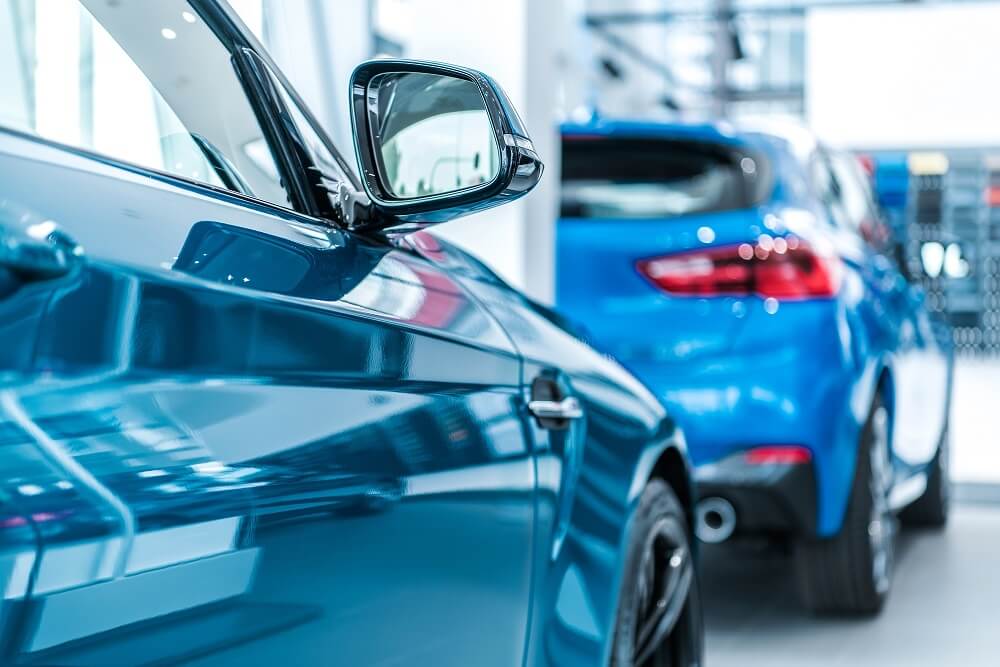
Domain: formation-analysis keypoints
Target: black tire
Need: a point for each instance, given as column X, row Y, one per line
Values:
column 659, row 598
column 930, row 510
column 851, row 573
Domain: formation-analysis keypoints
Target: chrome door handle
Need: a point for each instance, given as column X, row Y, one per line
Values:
column 568, row 408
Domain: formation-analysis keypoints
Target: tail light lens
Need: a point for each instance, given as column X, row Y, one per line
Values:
column 777, row 268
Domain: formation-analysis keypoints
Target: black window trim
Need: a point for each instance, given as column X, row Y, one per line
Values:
column 282, row 135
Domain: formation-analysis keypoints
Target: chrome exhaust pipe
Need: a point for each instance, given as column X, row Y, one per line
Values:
column 715, row 520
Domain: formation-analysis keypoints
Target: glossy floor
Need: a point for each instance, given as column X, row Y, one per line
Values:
column 943, row 610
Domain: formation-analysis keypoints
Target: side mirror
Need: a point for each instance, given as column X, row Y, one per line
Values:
column 436, row 142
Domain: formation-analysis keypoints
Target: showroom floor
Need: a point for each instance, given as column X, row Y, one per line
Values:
column 942, row 612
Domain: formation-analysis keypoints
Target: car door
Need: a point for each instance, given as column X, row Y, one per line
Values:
column 246, row 436
column 585, row 451
column 920, row 364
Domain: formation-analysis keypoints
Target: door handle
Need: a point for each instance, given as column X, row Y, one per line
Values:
column 567, row 408
column 44, row 252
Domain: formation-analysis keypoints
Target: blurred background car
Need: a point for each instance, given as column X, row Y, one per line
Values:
column 748, row 279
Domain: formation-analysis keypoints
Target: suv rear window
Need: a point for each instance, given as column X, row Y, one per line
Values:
column 649, row 178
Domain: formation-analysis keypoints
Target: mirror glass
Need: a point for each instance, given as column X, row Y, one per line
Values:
column 433, row 134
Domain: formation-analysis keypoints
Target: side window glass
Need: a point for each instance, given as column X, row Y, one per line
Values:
column 147, row 83
column 853, row 195
column 859, row 203
column 826, row 188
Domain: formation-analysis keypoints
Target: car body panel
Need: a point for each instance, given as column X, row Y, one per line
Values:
column 589, row 476
column 278, row 391
column 743, row 371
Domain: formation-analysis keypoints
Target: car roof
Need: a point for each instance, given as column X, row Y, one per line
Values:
column 752, row 132
column 719, row 131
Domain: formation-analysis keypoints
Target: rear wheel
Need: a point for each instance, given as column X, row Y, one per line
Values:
column 659, row 614
column 851, row 573
column 931, row 509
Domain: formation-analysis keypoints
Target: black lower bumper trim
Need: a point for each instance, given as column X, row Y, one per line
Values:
column 770, row 499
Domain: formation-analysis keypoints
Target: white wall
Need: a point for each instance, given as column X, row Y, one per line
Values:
column 904, row 76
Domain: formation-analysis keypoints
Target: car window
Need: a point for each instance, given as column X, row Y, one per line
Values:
column 825, row 186
column 854, row 197
column 857, row 208
column 147, row 83
column 843, row 197
column 642, row 178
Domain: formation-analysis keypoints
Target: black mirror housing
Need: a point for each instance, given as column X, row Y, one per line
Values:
column 515, row 168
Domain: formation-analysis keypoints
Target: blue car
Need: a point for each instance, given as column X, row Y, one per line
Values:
column 252, row 414
column 747, row 278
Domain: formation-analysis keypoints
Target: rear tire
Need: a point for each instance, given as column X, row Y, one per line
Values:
column 659, row 620
column 931, row 509
column 851, row 573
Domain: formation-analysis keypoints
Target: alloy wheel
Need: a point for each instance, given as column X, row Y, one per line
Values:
column 665, row 578
column 882, row 522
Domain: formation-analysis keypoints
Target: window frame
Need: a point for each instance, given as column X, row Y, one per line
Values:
column 280, row 130
column 318, row 185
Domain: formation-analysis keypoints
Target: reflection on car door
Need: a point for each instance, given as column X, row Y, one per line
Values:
column 257, row 439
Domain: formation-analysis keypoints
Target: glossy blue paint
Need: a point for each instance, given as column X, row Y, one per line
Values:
column 737, row 372
column 234, row 433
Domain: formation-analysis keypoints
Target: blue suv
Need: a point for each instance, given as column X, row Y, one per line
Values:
column 746, row 276
column 250, row 413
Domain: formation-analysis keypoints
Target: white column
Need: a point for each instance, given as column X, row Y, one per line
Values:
column 520, row 44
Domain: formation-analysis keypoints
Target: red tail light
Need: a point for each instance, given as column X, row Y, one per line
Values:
column 778, row 455
column 779, row 268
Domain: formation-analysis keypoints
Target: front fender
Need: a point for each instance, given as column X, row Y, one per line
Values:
column 577, row 592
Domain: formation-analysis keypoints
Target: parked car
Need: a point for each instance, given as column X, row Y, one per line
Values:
column 747, row 278
column 252, row 414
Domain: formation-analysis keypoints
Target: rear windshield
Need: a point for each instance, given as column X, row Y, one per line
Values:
column 650, row 178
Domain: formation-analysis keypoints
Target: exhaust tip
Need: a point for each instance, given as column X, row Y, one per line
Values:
column 715, row 520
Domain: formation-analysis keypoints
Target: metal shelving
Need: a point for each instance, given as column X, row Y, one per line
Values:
column 957, row 208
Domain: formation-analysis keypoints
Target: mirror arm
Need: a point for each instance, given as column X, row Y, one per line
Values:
column 355, row 207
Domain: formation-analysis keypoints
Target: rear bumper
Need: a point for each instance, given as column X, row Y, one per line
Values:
column 788, row 395
column 804, row 392
column 768, row 499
